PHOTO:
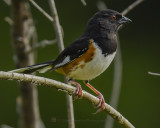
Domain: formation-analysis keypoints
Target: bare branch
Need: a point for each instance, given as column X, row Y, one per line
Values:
column 56, row 25
column 155, row 74
column 9, row 20
column 58, row 30
column 84, row 2
column 23, row 25
column 70, row 111
column 5, row 126
column 41, row 10
column 8, row 2
column 132, row 6
column 43, row 44
column 36, row 80
column 101, row 5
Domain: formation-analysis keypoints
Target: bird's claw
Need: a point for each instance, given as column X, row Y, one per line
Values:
column 101, row 104
column 78, row 92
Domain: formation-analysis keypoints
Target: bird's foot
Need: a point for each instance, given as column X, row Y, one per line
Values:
column 78, row 92
column 101, row 104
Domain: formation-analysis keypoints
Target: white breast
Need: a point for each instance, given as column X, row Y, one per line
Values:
column 93, row 68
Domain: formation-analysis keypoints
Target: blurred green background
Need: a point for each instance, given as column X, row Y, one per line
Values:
column 140, row 44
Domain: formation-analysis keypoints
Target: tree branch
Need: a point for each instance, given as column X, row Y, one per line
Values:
column 84, row 2
column 101, row 5
column 9, row 20
column 43, row 44
column 36, row 80
column 41, row 10
column 56, row 25
column 22, row 24
column 132, row 6
column 58, row 31
column 155, row 74
column 8, row 2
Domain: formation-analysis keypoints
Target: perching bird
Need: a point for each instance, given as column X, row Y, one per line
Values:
column 89, row 55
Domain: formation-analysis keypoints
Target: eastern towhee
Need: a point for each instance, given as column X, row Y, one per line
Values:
column 89, row 55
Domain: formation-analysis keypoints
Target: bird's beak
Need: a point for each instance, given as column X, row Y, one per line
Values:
column 124, row 20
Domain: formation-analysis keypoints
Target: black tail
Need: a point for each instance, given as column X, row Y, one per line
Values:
column 41, row 68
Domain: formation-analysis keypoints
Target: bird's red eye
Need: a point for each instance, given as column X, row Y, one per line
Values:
column 113, row 17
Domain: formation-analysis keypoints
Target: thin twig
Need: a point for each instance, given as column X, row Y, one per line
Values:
column 9, row 21
column 59, row 35
column 132, row 6
column 43, row 44
column 36, row 80
column 42, row 11
column 84, row 2
column 101, row 5
column 8, row 2
column 56, row 25
column 155, row 74
column 5, row 126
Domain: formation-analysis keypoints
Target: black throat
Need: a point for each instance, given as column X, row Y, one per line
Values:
column 103, row 36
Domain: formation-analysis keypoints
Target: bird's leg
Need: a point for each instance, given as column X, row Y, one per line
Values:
column 78, row 92
column 101, row 103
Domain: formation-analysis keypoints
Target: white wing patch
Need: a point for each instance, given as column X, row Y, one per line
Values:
column 45, row 69
column 65, row 61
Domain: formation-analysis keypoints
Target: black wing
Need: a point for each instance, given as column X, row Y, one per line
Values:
column 73, row 51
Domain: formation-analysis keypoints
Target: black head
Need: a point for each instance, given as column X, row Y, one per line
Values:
column 107, row 19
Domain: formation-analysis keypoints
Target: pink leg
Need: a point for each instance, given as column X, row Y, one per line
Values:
column 101, row 103
column 78, row 92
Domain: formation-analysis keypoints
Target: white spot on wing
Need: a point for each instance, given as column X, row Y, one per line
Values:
column 45, row 69
column 65, row 61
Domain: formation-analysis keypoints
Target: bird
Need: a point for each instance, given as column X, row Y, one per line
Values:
column 88, row 56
